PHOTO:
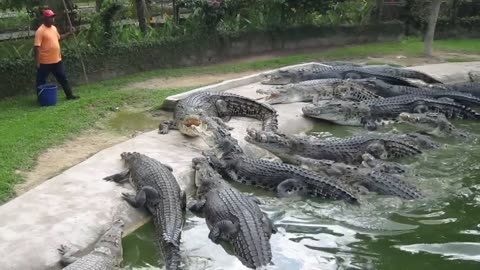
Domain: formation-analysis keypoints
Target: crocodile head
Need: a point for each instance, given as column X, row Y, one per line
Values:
column 281, row 77
column 430, row 122
column 192, row 124
column 110, row 243
column 276, row 143
column 340, row 112
column 284, row 94
column 206, row 178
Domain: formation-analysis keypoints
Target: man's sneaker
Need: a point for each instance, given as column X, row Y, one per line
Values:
column 72, row 97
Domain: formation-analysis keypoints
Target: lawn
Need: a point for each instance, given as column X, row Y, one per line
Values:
column 27, row 129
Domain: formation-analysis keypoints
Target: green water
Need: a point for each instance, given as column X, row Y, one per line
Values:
column 439, row 232
column 132, row 121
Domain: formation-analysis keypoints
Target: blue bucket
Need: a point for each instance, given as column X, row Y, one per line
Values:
column 47, row 94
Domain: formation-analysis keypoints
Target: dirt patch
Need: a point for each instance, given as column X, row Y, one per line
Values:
column 57, row 159
column 186, row 81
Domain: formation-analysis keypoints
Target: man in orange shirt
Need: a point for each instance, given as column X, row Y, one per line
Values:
column 48, row 54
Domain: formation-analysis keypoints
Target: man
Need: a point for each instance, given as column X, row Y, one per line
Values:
column 48, row 54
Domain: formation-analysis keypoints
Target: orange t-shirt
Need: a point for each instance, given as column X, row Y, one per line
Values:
column 48, row 39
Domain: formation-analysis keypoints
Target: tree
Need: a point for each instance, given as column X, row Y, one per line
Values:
column 141, row 15
column 432, row 22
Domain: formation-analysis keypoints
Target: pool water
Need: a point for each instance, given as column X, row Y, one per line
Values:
column 439, row 232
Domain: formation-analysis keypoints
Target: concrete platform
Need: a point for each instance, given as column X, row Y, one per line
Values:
column 76, row 206
column 451, row 72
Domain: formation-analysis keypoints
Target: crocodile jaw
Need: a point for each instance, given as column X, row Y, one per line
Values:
column 191, row 126
column 282, row 96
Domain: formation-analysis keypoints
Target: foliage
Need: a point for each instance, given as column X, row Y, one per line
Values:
column 350, row 12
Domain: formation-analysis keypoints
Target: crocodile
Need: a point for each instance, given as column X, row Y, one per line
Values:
column 315, row 90
column 387, row 90
column 373, row 179
column 287, row 180
column 370, row 113
column 107, row 253
column 348, row 150
column 281, row 77
column 157, row 190
column 403, row 73
column 472, row 88
column 435, row 124
column 191, row 111
column 232, row 216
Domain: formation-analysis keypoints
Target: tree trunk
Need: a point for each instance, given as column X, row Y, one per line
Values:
column 379, row 11
column 141, row 15
column 175, row 12
column 432, row 22
column 98, row 4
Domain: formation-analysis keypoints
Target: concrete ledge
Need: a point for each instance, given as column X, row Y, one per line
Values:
column 450, row 72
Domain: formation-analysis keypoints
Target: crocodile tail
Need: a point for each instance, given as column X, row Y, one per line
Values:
column 413, row 74
column 247, row 107
column 460, row 111
column 172, row 256
column 398, row 149
column 386, row 78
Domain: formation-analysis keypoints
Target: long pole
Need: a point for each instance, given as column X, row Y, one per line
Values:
column 76, row 40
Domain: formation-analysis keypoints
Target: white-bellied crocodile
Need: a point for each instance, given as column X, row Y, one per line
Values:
column 107, row 253
column 157, row 190
column 190, row 111
column 232, row 216
column 370, row 113
column 383, row 89
column 285, row 179
column 347, row 150
column 326, row 72
column 315, row 90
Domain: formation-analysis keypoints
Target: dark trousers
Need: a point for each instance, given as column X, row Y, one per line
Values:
column 58, row 70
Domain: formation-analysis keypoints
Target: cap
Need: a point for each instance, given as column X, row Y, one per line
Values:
column 48, row 13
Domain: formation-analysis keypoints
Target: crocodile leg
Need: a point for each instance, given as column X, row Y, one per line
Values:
column 291, row 187
column 222, row 230
column 139, row 200
column 268, row 224
column 197, row 206
column 119, row 178
column 222, row 110
column 168, row 167
column 377, row 150
column 166, row 126
column 67, row 255
column 255, row 199
column 183, row 199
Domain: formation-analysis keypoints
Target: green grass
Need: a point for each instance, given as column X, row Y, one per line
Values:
column 27, row 129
